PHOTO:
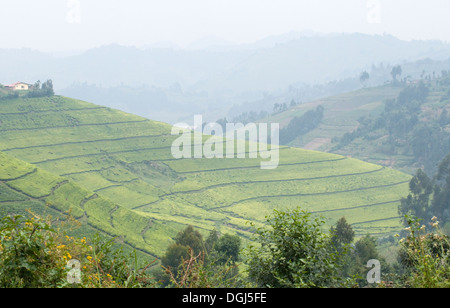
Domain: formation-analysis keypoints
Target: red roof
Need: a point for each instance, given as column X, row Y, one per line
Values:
column 16, row 83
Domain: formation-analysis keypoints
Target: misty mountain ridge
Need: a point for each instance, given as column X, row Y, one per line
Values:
column 214, row 76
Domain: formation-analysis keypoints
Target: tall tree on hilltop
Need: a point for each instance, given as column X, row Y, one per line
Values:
column 396, row 71
column 342, row 234
column 364, row 77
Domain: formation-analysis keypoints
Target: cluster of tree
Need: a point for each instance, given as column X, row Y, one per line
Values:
column 255, row 116
column 277, row 107
column 399, row 117
column 396, row 71
column 429, row 197
column 430, row 143
column 299, row 126
column 244, row 118
column 292, row 250
column 364, row 77
column 427, row 141
column 295, row 251
column 41, row 90
column 214, row 254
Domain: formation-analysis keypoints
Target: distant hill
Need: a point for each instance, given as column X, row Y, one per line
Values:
column 174, row 83
column 391, row 125
column 145, row 196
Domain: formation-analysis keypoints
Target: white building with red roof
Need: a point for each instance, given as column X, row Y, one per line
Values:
column 18, row 86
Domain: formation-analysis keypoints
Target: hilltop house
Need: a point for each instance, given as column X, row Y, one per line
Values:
column 18, row 86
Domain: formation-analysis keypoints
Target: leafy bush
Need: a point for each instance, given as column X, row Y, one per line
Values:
column 426, row 255
column 30, row 256
column 192, row 262
column 201, row 272
column 33, row 254
column 294, row 252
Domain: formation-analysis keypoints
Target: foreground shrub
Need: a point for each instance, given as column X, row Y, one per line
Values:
column 294, row 252
column 426, row 255
column 33, row 254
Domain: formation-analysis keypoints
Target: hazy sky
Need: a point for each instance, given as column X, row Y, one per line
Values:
column 81, row 24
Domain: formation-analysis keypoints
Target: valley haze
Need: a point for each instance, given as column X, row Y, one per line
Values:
column 225, row 144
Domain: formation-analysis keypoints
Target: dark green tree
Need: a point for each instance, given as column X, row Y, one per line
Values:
column 293, row 252
column 418, row 201
column 190, row 238
column 429, row 197
column 228, row 247
column 174, row 255
column 364, row 77
column 47, row 88
column 342, row 234
column 211, row 241
column 41, row 90
column 441, row 196
column 179, row 251
column 396, row 71
column 365, row 249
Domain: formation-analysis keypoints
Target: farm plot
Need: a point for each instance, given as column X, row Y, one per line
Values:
column 115, row 172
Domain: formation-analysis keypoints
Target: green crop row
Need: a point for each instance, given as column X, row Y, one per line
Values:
column 116, row 173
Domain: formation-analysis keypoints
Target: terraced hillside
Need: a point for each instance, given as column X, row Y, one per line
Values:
column 26, row 188
column 146, row 196
column 341, row 114
column 404, row 126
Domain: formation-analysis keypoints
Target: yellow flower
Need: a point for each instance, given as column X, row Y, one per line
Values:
column 89, row 258
column 60, row 247
column 69, row 256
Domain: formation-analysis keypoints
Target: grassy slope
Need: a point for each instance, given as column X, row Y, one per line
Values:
column 374, row 150
column 341, row 116
column 25, row 187
column 127, row 159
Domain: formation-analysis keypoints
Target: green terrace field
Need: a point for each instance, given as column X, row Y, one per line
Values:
column 343, row 113
column 115, row 173
column 24, row 188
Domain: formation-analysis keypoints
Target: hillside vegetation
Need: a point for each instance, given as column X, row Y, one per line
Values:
column 114, row 171
column 402, row 125
column 26, row 189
